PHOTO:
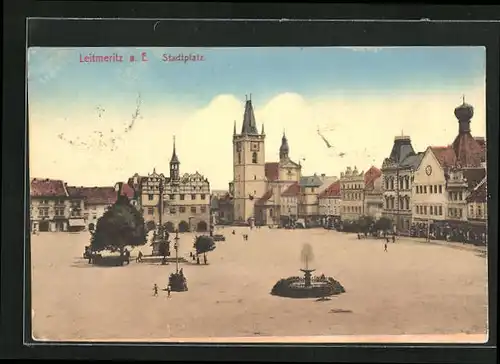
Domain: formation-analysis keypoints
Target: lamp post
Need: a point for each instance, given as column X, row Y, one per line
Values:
column 176, row 247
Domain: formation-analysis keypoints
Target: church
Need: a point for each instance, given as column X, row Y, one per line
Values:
column 257, row 185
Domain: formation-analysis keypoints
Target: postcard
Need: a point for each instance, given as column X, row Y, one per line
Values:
column 270, row 194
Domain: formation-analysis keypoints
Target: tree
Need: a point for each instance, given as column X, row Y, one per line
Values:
column 365, row 223
column 204, row 244
column 169, row 226
column 383, row 224
column 183, row 227
column 121, row 225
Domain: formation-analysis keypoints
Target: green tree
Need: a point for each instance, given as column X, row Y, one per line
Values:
column 365, row 223
column 183, row 227
column 150, row 225
column 120, row 226
column 169, row 226
column 204, row 244
column 383, row 224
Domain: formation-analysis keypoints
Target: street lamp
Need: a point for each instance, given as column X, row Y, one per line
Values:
column 176, row 247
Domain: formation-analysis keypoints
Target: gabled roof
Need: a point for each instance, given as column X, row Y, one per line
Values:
column 310, row 181
column 474, row 176
column 371, row 175
column 479, row 192
column 292, row 191
column 127, row 191
column 445, row 155
column 48, row 188
column 94, row 195
column 331, row 191
column 272, row 171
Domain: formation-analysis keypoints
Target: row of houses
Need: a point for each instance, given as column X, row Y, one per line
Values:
column 55, row 206
column 444, row 185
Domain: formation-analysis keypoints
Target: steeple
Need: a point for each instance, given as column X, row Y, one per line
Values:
column 249, row 126
column 174, row 165
column 284, row 148
column 234, row 129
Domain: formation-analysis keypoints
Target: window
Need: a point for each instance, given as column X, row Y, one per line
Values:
column 460, row 212
column 173, row 210
column 407, row 183
column 425, row 210
column 440, row 188
column 254, row 157
column 182, row 209
column 313, row 189
column 425, row 189
column 150, row 211
column 150, row 196
column 471, row 211
column 182, row 197
column 479, row 211
column 193, row 197
column 460, row 196
column 203, row 196
column 440, row 210
column 239, row 157
column 450, row 212
column 193, row 209
column 203, row 209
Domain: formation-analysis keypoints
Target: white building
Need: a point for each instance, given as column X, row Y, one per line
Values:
column 96, row 201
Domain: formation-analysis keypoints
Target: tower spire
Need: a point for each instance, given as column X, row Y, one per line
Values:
column 262, row 129
column 234, row 129
column 463, row 99
column 249, row 126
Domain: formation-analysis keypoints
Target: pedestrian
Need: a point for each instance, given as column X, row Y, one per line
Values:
column 168, row 291
column 139, row 257
column 385, row 246
column 155, row 290
column 204, row 259
column 386, row 240
column 394, row 238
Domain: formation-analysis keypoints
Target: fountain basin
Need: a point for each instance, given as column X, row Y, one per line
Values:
column 295, row 287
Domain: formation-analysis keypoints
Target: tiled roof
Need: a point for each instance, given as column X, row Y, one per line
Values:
column 445, row 155
column 272, row 171
column 291, row 191
column 94, row 195
column 265, row 198
column 474, row 176
column 479, row 193
column 127, row 191
column 468, row 152
column 310, row 181
column 332, row 191
column 47, row 188
column 481, row 141
column 371, row 175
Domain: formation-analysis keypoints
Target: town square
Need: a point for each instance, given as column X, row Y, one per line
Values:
column 245, row 212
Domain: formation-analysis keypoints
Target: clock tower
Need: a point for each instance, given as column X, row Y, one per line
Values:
column 249, row 175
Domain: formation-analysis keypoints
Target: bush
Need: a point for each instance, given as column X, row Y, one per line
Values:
column 286, row 288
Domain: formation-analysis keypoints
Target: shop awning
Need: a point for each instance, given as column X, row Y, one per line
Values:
column 76, row 222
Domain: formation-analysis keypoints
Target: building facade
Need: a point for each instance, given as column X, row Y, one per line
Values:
column 477, row 209
column 96, row 201
column 330, row 203
column 178, row 201
column 352, row 186
column 257, row 185
column 397, row 181
column 373, row 193
column 308, row 199
column 51, row 207
column 290, row 204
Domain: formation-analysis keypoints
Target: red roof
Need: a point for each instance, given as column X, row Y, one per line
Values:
column 331, row 191
column 481, row 141
column 128, row 191
column 292, row 191
column 265, row 197
column 469, row 153
column 94, row 195
column 445, row 155
column 47, row 188
column 272, row 171
column 371, row 175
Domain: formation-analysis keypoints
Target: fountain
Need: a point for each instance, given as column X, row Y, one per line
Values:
column 307, row 286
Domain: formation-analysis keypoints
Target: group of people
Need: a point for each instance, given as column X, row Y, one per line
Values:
column 459, row 235
column 196, row 257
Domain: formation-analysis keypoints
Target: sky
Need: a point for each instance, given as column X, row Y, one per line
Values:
column 96, row 123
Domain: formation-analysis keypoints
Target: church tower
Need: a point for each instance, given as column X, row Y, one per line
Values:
column 174, row 166
column 249, row 175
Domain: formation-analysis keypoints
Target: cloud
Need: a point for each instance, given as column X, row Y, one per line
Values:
column 363, row 127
